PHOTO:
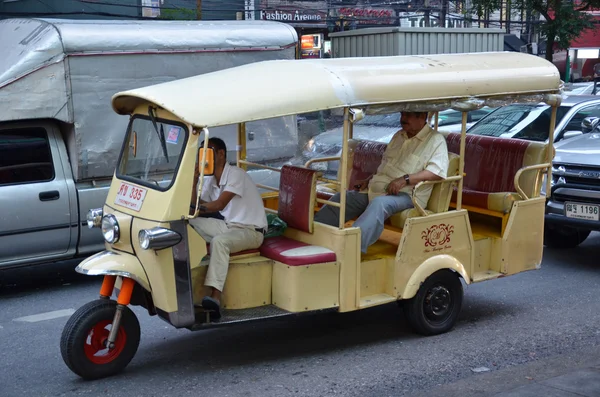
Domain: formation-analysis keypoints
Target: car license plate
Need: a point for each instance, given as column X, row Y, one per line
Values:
column 582, row 211
column 130, row 196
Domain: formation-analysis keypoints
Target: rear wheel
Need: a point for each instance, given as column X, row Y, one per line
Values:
column 436, row 306
column 562, row 237
column 83, row 344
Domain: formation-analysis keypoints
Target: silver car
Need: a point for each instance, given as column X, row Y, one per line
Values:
column 531, row 122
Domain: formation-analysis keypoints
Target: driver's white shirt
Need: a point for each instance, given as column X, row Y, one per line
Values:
column 246, row 207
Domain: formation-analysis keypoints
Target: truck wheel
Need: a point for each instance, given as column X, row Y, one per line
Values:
column 83, row 341
column 564, row 237
column 436, row 306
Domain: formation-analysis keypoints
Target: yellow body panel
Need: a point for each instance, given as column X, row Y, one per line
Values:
column 429, row 244
column 302, row 288
column 115, row 264
column 159, row 267
column 248, row 282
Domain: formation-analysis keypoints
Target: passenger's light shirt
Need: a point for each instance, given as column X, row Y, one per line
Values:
column 425, row 151
column 246, row 207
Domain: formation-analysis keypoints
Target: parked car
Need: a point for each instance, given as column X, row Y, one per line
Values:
column 581, row 89
column 59, row 138
column 573, row 205
column 531, row 121
column 380, row 128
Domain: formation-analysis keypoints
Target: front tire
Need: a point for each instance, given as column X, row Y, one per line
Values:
column 564, row 237
column 435, row 308
column 82, row 343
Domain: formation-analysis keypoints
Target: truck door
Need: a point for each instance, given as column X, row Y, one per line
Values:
column 35, row 221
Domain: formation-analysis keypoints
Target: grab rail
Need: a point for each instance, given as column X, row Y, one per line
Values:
column 425, row 183
column 537, row 167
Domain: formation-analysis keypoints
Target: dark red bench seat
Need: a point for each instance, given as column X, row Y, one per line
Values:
column 295, row 253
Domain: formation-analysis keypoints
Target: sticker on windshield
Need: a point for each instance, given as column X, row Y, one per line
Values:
column 173, row 136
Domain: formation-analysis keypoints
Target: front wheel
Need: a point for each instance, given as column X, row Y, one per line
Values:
column 436, row 306
column 83, row 341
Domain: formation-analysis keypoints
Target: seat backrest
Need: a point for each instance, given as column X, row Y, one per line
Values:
column 491, row 163
column 441, row 194
column 297, row 197
column 364, row 158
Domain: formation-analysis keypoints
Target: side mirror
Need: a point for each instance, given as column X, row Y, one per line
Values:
column 589, row 124
column 209, row 165
column 134, row 144
column 571, row 134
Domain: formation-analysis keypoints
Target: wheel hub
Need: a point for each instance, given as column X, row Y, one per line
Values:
column 438, row 303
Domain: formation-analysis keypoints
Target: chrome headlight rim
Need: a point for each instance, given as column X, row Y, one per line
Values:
column 158, row 238
column 94, row 218
column 110, row 232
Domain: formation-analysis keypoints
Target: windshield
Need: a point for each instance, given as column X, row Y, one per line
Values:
column 530, row 122
column 152, row 152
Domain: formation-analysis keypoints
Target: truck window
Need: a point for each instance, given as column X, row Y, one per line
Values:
column 25, row 156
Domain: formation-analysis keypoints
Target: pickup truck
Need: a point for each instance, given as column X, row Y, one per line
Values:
column 573, row 204
column 59, row 139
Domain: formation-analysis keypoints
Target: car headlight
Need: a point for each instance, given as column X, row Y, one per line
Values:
column 110, row 229
column 310, row 145
column 94, row 218
column 158, row 238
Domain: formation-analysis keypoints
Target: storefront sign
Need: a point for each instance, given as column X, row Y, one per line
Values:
column 249, row 9
column 369, row 16
column 295, row 16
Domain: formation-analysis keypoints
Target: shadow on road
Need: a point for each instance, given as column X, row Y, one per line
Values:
column 18, row 280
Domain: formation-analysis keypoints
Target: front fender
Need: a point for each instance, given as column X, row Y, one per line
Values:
column 110, row 263
column 430, row 266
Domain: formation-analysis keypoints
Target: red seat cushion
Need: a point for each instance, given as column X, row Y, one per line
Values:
column 295, row 253
column 490, row 166
column 365, row 160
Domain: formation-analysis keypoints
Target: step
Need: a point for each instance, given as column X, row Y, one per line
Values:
column 376, row 300
column 486, row 275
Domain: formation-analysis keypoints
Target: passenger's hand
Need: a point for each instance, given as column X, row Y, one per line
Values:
column 395, row 186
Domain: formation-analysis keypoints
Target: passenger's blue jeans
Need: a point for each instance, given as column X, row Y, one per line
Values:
column 371, row 215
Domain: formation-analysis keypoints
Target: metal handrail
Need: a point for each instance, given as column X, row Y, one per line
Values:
column 537, row 167
column 321, row 160
column 425, row 183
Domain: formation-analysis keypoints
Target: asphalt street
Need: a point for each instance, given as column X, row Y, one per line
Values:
column 506, row 326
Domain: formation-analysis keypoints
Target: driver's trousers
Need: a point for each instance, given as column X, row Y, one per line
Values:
column 223, row 241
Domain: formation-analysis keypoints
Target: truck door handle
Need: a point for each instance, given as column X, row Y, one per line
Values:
column 50, row 195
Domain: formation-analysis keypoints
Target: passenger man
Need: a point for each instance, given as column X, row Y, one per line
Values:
column 233, row 194
column 416, row 153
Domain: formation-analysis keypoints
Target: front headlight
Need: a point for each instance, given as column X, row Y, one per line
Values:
column 94, row 218
column 158, row 238
column 110, row 229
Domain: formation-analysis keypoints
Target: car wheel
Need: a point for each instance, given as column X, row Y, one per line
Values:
column 564, row 237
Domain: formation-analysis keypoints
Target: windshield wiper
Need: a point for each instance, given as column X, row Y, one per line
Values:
column 161, row 133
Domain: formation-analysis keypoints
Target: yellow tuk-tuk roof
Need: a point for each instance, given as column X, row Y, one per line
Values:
column 269, row 89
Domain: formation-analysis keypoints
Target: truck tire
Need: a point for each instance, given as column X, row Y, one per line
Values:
column 435, row 308
column 564, row 237
column 82, row 344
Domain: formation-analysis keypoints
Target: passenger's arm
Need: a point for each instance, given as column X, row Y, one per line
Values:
column 398, row 184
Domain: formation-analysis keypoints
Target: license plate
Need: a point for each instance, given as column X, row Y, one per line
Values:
column 130, row 196
column 582, row 211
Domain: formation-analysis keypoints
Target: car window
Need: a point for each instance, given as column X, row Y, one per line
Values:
column 25, row 156
column 530, row 122
column 588, row 111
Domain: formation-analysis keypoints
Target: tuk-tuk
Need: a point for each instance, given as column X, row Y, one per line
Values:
column 485, row 220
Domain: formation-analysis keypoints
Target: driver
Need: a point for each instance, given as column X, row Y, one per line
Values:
column 231, row 193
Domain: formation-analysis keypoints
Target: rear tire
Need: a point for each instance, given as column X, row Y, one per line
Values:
column 564, row 237
column 435, row 308
column 82, row 343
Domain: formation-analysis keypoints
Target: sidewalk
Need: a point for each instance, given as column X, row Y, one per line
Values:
column 573, row 374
